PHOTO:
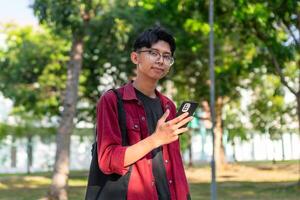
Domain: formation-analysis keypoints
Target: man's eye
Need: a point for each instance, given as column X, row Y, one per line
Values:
column 167, row 57
column 154, row 53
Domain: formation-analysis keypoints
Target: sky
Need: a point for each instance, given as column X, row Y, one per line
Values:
column 16, row 11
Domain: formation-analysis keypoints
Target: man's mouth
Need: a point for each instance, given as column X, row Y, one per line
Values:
column 158, row 69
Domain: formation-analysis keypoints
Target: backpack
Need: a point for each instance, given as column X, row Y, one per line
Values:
column 113, row 186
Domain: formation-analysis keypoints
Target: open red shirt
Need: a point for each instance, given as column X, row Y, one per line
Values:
column 111, row 153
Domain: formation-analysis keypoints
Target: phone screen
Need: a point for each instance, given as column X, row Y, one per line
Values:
column 187, row 106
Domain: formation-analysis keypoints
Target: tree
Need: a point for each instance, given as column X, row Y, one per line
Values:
column 96, row 33
column 235, row 123
column 273, row 26
column 30, row 70
column 33, row 72
column 269, row 113
column 70, row 19
column 30, row 76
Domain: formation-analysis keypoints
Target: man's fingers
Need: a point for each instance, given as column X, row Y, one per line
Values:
column 181, row 130
column 183, row 122
column 165, row 116
column 179, row 118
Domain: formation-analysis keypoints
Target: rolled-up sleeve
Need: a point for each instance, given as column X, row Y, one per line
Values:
column 111, row 153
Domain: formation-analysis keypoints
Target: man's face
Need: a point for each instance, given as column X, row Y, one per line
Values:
column 154, row 62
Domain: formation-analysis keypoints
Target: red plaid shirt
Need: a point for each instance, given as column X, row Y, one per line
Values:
column 111, row 153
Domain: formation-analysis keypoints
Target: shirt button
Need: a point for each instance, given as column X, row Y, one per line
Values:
column 135, row 126
column 143, row 118
column 152, row 183
column 170, row 181
column 166, row 161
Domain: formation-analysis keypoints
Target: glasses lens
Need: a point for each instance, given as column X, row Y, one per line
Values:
column 154, row 56
column 168, row 60
column 171, row 61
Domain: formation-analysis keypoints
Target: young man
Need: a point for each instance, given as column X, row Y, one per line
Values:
column 152, row 126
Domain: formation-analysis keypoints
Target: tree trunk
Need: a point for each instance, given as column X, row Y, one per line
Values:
column 282, row 147
column 59, row 184
column 266, row 144
column 291, row 145
column 252, row 147
column 219, row 148
column 274, row 151
column 298, row 106
column 298, row 112
column 234, row 151
column 29, row 153
column 13, row 153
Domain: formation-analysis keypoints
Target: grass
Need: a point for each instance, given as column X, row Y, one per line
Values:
column 243, row 181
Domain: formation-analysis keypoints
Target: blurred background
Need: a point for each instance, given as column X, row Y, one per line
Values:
column 58, row 57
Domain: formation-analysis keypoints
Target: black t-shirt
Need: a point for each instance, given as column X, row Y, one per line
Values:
column 154, row 111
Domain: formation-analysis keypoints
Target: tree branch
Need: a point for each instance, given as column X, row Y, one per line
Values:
column 298, row 25
column 288, row 28
column 298, row 95
column 279, row 71
column 85, row 11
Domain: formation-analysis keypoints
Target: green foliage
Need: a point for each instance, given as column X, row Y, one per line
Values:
column 235, row 121
column 269, row 113
column 31, row 72
column 64, row 17
column 273, row 27
column 32, row 65
column 184, row 141
column 24, row 130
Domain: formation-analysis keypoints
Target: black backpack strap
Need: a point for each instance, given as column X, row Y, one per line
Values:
column 108, row 186
column 121, row 118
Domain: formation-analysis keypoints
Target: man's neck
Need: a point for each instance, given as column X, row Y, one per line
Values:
column 146, row 87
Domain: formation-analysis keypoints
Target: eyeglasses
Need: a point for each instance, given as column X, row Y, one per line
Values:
column 155, row 55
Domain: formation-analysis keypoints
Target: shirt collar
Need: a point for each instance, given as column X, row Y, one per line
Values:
column 129, row 94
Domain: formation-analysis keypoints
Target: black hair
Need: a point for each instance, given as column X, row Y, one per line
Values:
column 153, row 35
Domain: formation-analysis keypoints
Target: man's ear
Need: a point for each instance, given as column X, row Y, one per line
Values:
column 134, row 57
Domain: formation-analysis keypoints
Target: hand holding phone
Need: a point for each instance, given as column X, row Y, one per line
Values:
column 187, row 106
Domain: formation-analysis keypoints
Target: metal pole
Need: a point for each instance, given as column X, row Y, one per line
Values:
column 213, row 188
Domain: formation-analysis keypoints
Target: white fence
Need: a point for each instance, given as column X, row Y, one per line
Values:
column 260, row 147
column 14, row 156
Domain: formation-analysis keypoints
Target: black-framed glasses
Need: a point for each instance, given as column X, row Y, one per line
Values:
column 155, row 55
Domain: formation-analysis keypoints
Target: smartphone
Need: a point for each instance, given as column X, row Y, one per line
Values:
column 187, row 106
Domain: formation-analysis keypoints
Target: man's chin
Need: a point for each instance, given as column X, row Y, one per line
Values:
column 158, row 77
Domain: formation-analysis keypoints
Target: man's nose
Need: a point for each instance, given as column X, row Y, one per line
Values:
column 160, row 60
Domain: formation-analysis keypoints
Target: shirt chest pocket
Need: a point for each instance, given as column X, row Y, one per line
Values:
column 133, row 130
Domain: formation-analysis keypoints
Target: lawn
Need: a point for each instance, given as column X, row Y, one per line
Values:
column 245, row 181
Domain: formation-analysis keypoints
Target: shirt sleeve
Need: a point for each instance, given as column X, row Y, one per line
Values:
column 111, row 153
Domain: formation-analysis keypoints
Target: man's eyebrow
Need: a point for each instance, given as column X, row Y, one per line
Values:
column 166, row 52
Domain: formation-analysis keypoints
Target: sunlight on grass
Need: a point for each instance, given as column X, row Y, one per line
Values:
column 24, row 182
column 264, row 181
column 77, row 182
column 2, row 186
